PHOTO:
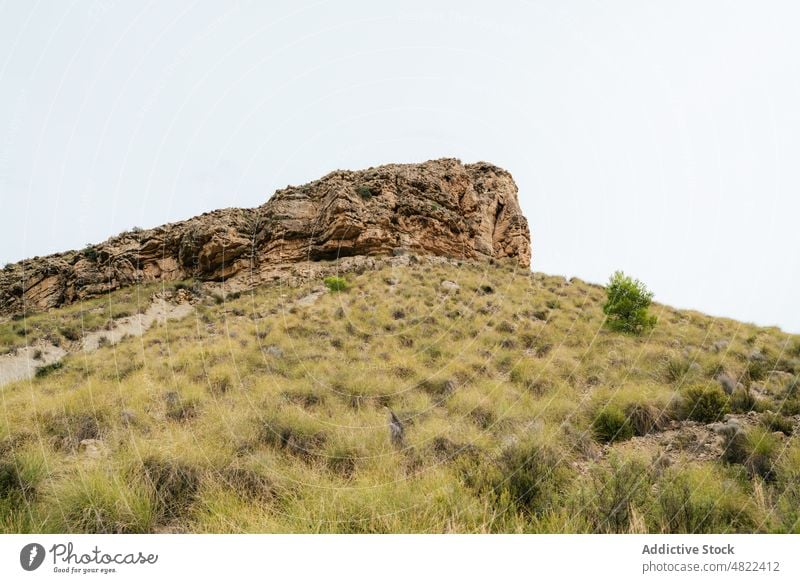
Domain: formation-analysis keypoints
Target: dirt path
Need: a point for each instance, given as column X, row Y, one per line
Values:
column 159, row 312
column 24, row 362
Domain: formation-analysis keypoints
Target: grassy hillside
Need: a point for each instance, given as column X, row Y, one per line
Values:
column 522, row 412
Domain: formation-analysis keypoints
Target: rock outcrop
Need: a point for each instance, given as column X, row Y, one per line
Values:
column 441, row 207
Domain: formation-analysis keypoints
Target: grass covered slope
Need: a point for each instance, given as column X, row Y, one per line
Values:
column 522, row 411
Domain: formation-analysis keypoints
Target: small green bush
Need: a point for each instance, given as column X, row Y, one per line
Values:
column 734, row 444
column 173, row 486
column 776, row 422
column 611, row 424
column 534, row 473
column 527, row 477
column 104, row 503
column 20, row 476
column 757, row 370
column 677, row 369
column 626, row 308
column 335, row 284
column 364, row 192
column 45, row 370
column 691, row 501
column 645, row 418
column 763, row 453
column 793, row 388
column 90, row 252
column 705, row 403
column 613, row 491
column 743, row 400
column 70, row 333
column 757, row 450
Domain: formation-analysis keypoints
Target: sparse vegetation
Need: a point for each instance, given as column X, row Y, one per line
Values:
column 90, row 252
column 523, row 412
column 611, row 424
column 68, row 324
column 705, row 403
column 335, row 283
column 45, row 370
column 364, row 192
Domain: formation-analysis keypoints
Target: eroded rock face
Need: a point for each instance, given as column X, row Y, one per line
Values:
column 441, row 207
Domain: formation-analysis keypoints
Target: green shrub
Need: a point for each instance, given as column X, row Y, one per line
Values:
column 789, row 406
column 677, row 369
column 614, row 491
column 757, row 450
column 763, row 453
column 788, row 502
column 534, row 473
column 626, row 308
column 43, row 371
column 793, row 388
column 689, row 501
column 90, row 252
column 365, row 192
column 757, row 370
column 20, row 477
column 645, row 418
column 776, row 422
column 611, row 424
column 173, row 487
column 528, row 477
column 705, row 403
column 102, row 502
column 335, row 284
column 734, row 444
column 743, row 400
column 70, row 333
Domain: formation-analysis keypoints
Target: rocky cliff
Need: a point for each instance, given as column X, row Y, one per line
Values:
column 441, row 207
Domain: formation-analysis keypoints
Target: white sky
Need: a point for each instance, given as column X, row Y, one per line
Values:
column 662, row 138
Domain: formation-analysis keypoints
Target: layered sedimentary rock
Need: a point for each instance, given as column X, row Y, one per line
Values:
column 441, row 207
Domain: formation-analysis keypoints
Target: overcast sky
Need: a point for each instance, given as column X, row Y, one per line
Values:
column 662, row 138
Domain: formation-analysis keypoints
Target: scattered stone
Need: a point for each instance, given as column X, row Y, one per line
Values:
column 727, row 382
column 127, row 417
column 274, row 351
column 720, row 345
column 311, row 298
column 450, row 286
column 93, row 448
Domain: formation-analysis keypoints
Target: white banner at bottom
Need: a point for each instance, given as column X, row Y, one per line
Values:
column 395, row 558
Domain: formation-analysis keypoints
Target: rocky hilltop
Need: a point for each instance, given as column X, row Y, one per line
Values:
column 441, row 207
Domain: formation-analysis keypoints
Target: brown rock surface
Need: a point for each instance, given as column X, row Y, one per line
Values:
column 441, row 207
